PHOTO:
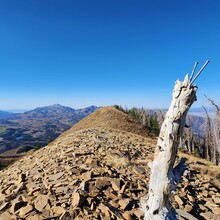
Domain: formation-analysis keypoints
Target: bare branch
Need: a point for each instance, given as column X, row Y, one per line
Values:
column 193, row 71
column 212, row 102
column 203, row 67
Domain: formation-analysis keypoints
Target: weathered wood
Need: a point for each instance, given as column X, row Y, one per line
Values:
column 197, row 75
column 193, row 71
column 163, row 175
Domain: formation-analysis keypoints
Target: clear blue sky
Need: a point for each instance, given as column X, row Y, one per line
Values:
column 103, row 52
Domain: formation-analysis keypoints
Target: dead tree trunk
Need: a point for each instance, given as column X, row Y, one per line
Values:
column 208, row 138
column 215, row 134
column 163, row 175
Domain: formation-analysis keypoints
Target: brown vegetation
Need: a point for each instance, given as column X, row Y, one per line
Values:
column 111, row 118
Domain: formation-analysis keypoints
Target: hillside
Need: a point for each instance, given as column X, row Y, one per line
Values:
column 99, row 173
column 35, row 128
column 111, row 118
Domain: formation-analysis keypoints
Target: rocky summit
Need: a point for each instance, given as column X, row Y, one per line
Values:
column 99, row 173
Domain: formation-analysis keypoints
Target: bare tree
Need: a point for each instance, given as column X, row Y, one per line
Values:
column 163, row 175
column 161, row 117
column 208, row 138
column 144, row 117
column 190, row 136
column 215, row 130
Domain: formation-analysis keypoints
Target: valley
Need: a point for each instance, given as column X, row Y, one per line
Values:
column 36, row 128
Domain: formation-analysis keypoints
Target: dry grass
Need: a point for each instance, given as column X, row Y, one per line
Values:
column 9, row 152
column 110, row 118
column 202, row 165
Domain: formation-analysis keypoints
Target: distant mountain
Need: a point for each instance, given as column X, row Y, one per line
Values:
column 4, row 113
column 16, row 110
column 86, row 111
column 199, row 111
column 196, row 116
column 49, row 111
column 37, row 127
column 197, row 123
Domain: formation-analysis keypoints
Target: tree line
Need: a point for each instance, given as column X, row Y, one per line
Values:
column 206, row 146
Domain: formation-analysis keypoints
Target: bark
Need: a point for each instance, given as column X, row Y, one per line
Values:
column 163, row 175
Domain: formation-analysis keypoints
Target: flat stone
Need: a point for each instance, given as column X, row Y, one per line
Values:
column 211, row 205
column 40, row 202
column 216, row 199
column 205, row 193
column 25, row 210
column 178, row 200
column 31, row 185
column 139, row 170
column 138, row 213
column 58, row 210
column 55, row 176
column 6, row 216
column 188, row 208
column 77, row 199
column 75, row 171
column 216, row 210
column 185, row 214
column 102, row 183
column 35, row 217
column 9, row 189
column 37, row 176
column 114, row 204
column 92, row 190
column 124, row 203
column 31, row 192
column 207, row 185
column 116, row 184
column 210, row 216
column 127, row 215
column 109, row 194
column 191, row 198
column 92, row 162
column 203, row 208
column 104, row 210
column 87, row 176
column 17, row 204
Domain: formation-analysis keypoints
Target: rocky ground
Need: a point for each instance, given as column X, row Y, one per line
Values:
column 98, row 170
column 96, row 174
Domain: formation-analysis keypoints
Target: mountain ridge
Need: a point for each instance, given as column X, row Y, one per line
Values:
column 4, row 112
column 111, row 118
column 36, row 127
column 98, row 173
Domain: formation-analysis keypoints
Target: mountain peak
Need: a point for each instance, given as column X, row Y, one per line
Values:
column 110, row 118
column 57, row 105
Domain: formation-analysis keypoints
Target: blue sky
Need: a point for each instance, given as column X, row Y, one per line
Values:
column 104, row 52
